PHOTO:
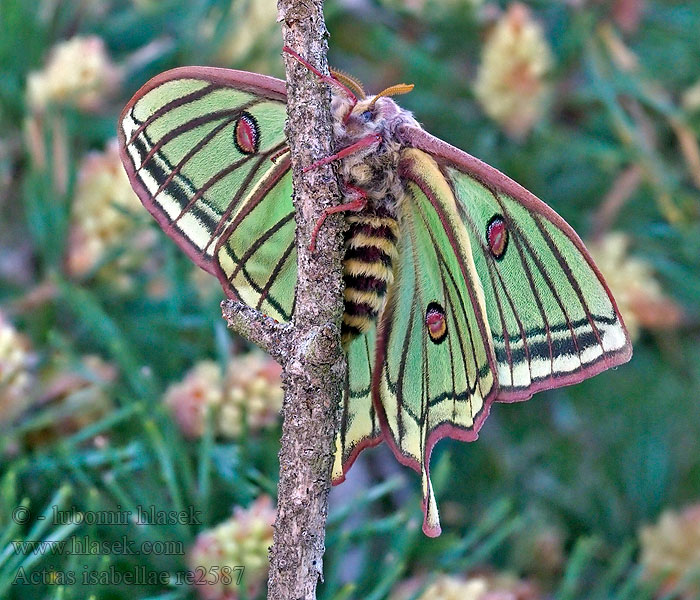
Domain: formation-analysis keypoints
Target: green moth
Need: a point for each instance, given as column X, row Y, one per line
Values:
column 461, row 287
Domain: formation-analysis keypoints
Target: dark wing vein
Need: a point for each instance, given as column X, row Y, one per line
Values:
column 273, row 275
column 510, row 224
column 255, row 246
column 569, row 275
column 277, row 173
column 228, row 114
column 166, row 108
column 440, row 257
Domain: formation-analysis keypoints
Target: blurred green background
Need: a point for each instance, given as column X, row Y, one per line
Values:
column 120, row 386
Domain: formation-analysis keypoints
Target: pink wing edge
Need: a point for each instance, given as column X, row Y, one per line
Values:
column 262, row 85
column 446, row 154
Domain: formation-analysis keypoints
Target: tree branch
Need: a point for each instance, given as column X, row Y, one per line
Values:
column 273, row 337
column 315, row 370
column 312, row 358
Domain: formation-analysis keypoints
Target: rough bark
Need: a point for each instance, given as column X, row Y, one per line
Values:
column 309, row 350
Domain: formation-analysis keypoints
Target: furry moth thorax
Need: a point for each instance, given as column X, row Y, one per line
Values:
column 370, row 242
column 374, row 169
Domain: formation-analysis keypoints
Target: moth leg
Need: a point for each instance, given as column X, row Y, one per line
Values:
column 356, row 205
column 279, row 154
column 365, row 142
column 327, row 78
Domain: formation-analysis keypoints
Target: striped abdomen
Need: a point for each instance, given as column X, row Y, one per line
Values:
column 370, row 252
